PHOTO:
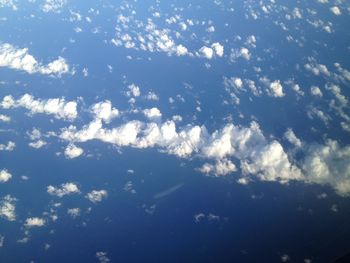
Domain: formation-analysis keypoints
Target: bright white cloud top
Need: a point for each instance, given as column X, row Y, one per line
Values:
column 20, row 59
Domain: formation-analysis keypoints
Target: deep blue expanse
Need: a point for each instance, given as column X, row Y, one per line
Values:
column 174, row 131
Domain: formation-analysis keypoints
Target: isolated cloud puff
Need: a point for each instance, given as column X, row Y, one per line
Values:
column 4, row 176
column 73, row 151
column 34, row 222
column 97, row 196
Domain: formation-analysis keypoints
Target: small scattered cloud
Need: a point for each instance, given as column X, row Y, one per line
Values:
column 34, row 222
column 7, row 208
column 63, row 190
column 73, row 151
column 5, row 176
column 97, row 196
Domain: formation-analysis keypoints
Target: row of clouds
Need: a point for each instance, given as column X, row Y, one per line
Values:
column 21, row 59
column 229, row 149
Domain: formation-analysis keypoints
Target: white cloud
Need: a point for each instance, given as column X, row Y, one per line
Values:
column 316, row 68
column 315, row 91
column 276, row 89
column 206, row 52
column 73, row 151
column 20, row 59
column 181, row 50
column 8, row 3
column 34, row 222
column 102, row 257
column 134, row 91
column 4, row 118
column 292, row 138
column 10, row 146
column 96, row 196
column 37, row 144
column 258, row 156
column 57, row 107
column 152, row 96
column 244, row 52
column 329, row 164
column 73, row 212
column 104, row 111
column 271, row 163
column 218, row 48
column 65, row 189
column 4, row 176
column 7, row 208
column 153, row 113
column 53, row 6
column 220, row 168
column 335, row 10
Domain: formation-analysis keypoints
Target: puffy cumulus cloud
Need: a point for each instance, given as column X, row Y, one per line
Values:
column 5, row 118
column 34, row 222
column 7, row 208
column 273, row 88
column 218, row 48
column 292, row 138
column 133, row 91
column 104, row 111
column 206, row 52
column 37, row 144
column 10, row 146
column 20, row 59
column 335, row 10
column 317, row 69
column 181, row 50
column 97, row 196
column 271, row 163
column 315, row 91
column 258, row 156
column 329, row 164
column 73, row 151
column 247, row 144
column 276, row 89
column 4, row 176
column 220, row 168
column 244, row 53
column 153, row 113
column 64, row 189
column 57, row 106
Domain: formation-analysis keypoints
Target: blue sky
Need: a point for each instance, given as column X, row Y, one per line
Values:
column 131, row 129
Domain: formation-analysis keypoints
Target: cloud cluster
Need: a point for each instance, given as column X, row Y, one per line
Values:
column 329, row 164
column 20, row 59
column 57, row 106
column 97, row 196
column 10, row 146
column 7, row 208
column 64, row 189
